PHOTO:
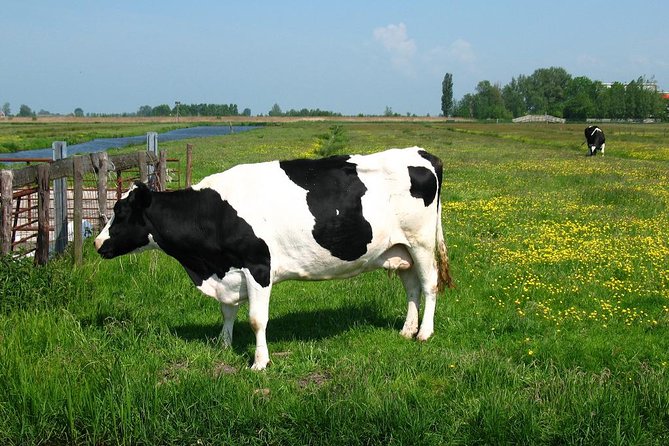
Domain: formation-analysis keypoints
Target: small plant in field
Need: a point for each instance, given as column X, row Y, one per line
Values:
column 333, row 142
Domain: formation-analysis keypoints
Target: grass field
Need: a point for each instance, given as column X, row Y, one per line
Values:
column 18, row 135
column 557, row 331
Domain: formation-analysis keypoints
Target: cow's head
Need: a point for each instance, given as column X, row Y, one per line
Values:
column 127, row 230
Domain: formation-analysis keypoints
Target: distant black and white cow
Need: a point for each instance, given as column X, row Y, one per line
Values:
column 238, row 232
column 594, row 138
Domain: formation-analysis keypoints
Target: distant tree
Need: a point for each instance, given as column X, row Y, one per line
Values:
column 581, row 94
column 514, row 97
column 616, row 96
column 464, row 108
column 602, row 101
column 643, row 99
column 388, row 111
column 78, row 112
column 145, row 110
column 447, row 94
column 6, row 109
column 488, row 102
column 161, row 110
column 275, row 111
column 545, row 90
column 25, row 111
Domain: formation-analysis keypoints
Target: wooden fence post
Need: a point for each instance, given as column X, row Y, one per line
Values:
column 7, row 191
column 162, row 170
column 152, row 148
column 143, row 167
column 78, row 174
column 43, row 193
column 102, row 188
column 189, row 164
column 60, row 200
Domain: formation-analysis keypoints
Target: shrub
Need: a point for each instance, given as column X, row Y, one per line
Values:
column 23, row 285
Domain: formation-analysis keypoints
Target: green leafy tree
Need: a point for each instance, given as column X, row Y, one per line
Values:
column 488, row 102
column 78, row 112
column 617, row 101
column 25, row 111
column 6, row 109
column 275, row 111
column 602, row 101
column 464, row 108
column 161, row 110
column 145, row 110
column 447, row 94
column 581, row 94
column 642, row 99
column 388, row 111
column 514, row 96
column 547, row 90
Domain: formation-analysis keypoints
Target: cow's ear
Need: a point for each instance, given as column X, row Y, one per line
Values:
column 140, row 196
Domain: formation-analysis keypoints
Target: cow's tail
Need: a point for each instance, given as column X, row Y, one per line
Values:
column 444, row 279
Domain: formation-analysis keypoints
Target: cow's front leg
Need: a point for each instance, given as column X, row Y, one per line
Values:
column 258, row 317
column 229, row 312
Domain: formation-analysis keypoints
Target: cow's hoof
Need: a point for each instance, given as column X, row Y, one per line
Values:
column 424, row 336
column 409, row 332
column 259, row 366
column 260, row 362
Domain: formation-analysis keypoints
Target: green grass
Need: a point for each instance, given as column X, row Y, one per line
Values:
column 557, row 332
column 17, row 136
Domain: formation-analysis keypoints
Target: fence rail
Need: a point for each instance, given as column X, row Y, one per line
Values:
column 28, row 204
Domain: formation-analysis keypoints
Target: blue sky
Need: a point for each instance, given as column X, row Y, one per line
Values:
column 346, row 56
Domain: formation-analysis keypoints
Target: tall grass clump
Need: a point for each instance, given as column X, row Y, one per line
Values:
column 26, row 287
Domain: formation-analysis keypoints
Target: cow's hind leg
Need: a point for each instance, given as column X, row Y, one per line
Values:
column 412, row 286
column 229, row 312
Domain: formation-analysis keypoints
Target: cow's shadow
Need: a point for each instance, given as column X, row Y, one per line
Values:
column 310, row 325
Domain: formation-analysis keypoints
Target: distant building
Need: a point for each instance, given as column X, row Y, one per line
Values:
column 652, row 86
column 539, row 118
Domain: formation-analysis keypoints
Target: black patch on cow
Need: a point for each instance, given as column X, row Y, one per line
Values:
column 423, row 184
column 199, row 229
column 207, row 236
column 436, row 164
column 334, row 197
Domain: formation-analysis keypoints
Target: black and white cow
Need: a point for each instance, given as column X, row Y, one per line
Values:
column 594, row 138
column 238, row 232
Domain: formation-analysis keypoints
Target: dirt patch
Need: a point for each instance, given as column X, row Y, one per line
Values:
column 224, row 369
column 315, row 379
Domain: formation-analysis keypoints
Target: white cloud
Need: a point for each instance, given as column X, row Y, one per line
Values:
column 462, row 51
column 396, row 41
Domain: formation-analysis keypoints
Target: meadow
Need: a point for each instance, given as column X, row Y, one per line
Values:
column 557, row 331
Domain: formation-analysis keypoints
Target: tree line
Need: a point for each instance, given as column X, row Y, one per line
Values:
column 192, row 110
column 554, row 91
